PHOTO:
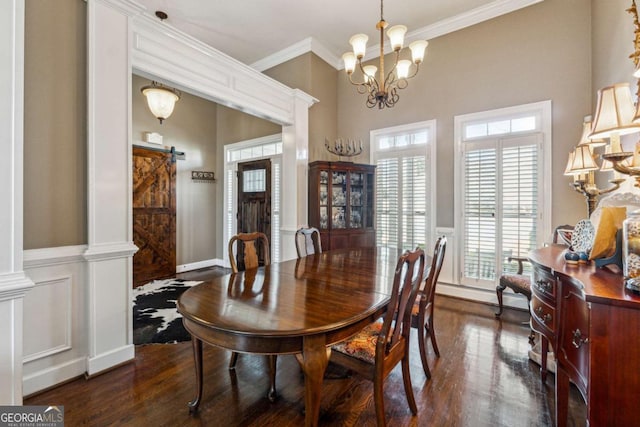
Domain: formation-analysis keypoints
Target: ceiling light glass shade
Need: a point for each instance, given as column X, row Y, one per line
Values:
column 417, row 50
column 359, row 44
column 160, row 100
column 396, row 36
column 370, row 71
column 614, row 112
column 402, row 68
column 583, row 161
column 349, row 62
column 586, row 131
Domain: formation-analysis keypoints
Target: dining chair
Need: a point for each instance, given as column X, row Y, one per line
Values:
column 422, row 312
column 519, row 282
column 308, row 241
column 252, row 250
column 379, row 347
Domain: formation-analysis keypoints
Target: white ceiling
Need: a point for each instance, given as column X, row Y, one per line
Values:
column 252, row 31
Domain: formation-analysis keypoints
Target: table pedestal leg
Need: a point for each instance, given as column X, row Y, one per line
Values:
column 197, row 358
column 313, row 361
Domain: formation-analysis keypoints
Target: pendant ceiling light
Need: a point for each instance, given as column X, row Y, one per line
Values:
column 160, row 99
column 381, row 90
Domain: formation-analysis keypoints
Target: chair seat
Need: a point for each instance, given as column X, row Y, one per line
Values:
column 362, row 345
column 518, row 283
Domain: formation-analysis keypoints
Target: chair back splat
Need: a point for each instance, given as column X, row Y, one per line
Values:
column 422, row 315
column 252, row 251
column 379, row 347
column 308, row 241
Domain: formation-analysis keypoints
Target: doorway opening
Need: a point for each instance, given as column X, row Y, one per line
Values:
column 252, row 193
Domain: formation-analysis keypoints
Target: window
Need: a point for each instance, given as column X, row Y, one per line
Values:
column 502, row 164
column 404, row 185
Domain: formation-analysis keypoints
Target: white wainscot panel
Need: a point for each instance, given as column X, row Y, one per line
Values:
column 55, row 321
column 48, row 318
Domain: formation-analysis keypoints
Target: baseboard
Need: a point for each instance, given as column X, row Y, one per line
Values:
column 47, row 378
column 200, row 264
column 482, row 295
column 110, row 359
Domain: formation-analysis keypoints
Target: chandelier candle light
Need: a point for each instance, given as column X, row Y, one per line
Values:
column 382, row 90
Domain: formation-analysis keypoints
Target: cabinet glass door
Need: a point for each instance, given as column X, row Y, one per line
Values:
column 324, row 200
column 338, row 199
column 368, row 200
column 356, row 199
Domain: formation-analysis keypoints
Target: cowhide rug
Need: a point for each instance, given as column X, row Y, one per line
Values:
column 155, row 317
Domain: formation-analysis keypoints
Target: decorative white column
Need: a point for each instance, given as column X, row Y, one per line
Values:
column 295, row 160
column 110, row 246
column 13, row 282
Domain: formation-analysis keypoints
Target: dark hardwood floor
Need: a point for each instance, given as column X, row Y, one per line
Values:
column 483, row 378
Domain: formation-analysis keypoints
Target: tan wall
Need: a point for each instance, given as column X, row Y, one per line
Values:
column 191, row 129
column 55, row 124
column 613, row 36
column 311, row 74
column 538, row 53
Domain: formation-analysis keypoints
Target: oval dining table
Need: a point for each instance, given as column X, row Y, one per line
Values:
column 300, row 306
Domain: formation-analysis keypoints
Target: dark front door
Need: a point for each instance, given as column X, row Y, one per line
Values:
column 254, row 198
column 154, row 215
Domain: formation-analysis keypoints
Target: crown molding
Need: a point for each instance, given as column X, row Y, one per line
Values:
column 440, row 28
column 309, row 44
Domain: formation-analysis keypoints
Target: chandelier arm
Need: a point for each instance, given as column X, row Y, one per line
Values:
column 391, row 77
column 415, row 72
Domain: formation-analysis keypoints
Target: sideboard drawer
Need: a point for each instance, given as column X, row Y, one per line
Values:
column 544, row 285
column 543, row 315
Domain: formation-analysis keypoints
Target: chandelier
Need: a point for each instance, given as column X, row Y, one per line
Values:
column 382, row 90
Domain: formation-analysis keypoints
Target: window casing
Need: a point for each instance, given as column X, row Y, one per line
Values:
column 405, row 182
column 503, row 187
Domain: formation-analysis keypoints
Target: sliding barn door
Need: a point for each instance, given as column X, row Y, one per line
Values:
column 154, row 215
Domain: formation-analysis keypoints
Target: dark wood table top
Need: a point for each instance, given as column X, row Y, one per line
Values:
column 318, row 293
column 300, row 306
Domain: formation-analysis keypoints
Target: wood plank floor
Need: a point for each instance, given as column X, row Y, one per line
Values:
column 483, row 378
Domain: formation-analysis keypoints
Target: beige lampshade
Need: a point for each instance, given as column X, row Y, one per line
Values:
column 583, row 161
column 614, row 112
column 586, row 130
column 567, row 169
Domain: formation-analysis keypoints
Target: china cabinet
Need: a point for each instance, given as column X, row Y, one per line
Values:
column 341, row 203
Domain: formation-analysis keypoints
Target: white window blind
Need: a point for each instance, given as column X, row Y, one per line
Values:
column 501, row 198
column 414, row 202
column 479, row 213
column 403, row 185
column 387, row 186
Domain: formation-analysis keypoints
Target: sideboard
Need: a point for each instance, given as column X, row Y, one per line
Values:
column 593, row 324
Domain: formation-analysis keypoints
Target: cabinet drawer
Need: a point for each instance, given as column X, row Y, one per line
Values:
column 544, row 285
column 573, row 340
column 542, row 315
